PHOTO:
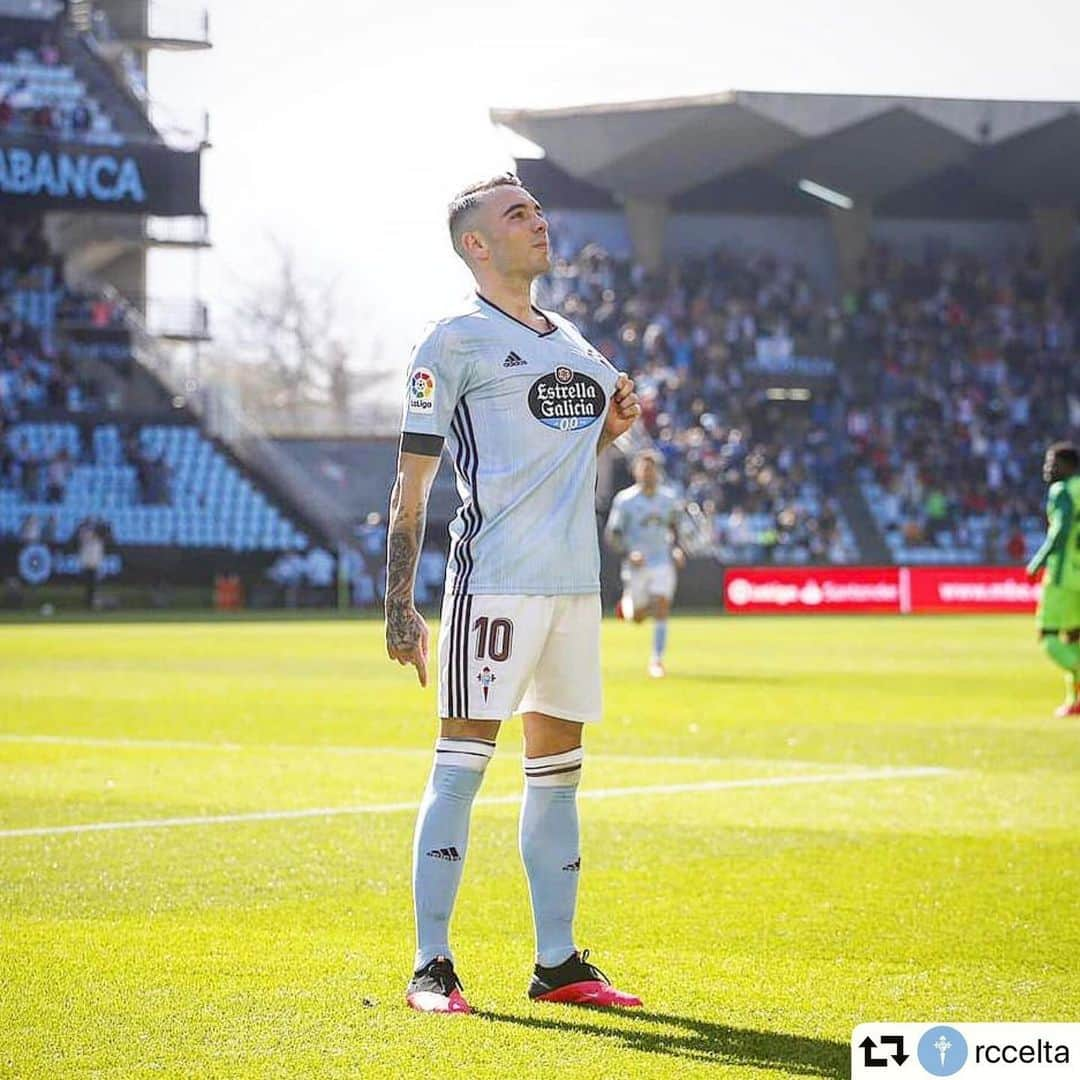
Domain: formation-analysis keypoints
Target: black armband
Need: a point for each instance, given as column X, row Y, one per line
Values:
column 428, row 445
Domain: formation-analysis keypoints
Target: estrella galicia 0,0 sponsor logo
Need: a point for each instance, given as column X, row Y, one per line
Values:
column 566, row 400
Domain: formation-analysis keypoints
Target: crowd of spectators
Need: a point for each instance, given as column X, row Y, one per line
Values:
column 40, row 95
column 760, row 474
column 38, row 377
column 961, row 376
column 152, row 477
column 933, row 382
column 35, row 372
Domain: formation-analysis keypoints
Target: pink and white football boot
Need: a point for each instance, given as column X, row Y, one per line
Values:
column 577, row 982
column 435, row 988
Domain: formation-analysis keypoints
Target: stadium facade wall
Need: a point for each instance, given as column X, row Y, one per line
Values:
column 573, row 229
column 990, row 239
column 806, row 239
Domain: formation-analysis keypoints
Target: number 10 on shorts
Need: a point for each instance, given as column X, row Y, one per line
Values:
column 494, row 638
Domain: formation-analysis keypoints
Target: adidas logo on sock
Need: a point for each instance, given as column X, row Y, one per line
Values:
column 575, row 866
column 448, row 853
column 513, row 360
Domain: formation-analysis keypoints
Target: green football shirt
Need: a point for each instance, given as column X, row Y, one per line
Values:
column 1060, row 551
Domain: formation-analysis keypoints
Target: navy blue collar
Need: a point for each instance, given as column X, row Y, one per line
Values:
column 538, row 333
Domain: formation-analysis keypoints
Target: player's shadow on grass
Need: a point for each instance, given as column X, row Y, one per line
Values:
column 711, row 1043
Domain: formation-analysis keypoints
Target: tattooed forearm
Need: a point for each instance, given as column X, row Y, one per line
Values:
column 402, row 554
column 403, row 543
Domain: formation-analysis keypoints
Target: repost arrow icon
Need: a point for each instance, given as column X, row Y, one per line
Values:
column 898, row 1042
column 868, row 1045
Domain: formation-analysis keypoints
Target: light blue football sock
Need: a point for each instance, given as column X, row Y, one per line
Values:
column 659, row 638
column 442, row 838
column 550, row 850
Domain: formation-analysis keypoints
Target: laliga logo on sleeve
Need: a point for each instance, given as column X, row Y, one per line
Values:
column 422, row 391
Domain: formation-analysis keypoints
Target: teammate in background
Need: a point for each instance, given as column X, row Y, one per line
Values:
column 523, row 404
column 1059, row 607
column 643, row 527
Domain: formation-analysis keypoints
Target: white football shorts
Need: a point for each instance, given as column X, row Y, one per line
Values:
column 499, row 655
column 642, row 583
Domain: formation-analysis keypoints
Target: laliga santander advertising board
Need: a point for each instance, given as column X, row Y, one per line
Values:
column 788, row 589
column 756, row 590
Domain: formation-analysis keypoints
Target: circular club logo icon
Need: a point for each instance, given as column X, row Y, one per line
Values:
column 422, row 390
column 566, row 400
column 35, row 564
column 942, row 1051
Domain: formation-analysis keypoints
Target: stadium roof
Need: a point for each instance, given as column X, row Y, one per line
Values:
column 746, row 150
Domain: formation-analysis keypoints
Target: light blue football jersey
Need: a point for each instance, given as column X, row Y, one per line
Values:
column 522, row 413
column 646, row 522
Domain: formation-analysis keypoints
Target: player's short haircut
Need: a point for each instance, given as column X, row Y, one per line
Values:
column 1066, row 453
column 467, row 200
column 649, row 455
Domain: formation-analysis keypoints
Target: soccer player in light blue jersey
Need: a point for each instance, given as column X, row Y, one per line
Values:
column 643, row 527
column 521, row 404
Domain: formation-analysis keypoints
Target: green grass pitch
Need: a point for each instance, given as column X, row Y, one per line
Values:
column 810, row 824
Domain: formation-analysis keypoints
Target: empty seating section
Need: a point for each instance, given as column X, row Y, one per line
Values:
column 209, row 502
column 970, row 538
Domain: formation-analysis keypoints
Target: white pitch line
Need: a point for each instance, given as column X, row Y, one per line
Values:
column 122, row 743
column 496, row 800
column 117, row 743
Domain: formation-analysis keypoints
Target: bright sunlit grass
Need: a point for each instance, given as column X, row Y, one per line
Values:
column 876, row 819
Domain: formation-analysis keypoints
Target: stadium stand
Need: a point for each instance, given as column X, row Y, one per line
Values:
column 947, row 374
column 763, row 475
column 96, row 435
column 33, row 372
column 963, row 371
column 40, row 92
column 168, row 486
column 149, row 483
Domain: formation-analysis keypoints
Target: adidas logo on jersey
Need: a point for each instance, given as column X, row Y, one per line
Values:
column 513, row 360
column 450, row 854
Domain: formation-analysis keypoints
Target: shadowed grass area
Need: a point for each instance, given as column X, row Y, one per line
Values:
column 703, row 1042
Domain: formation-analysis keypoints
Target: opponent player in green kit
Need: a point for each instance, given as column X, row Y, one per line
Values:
column 1059, row 608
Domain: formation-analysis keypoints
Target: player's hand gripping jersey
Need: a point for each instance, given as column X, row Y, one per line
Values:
column 522, row 413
